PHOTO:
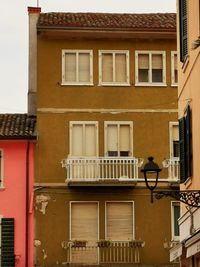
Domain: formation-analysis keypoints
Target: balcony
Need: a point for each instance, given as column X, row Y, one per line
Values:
column 102, row 170
column 173, row 166
column 127, row 252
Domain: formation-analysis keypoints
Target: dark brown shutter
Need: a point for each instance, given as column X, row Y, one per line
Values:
column 188, row 141
column 7, row 242
column 182, row 150
column 183, row 29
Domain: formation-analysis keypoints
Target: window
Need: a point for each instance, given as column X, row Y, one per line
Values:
column 175, row 214
column 113, row 67
column 174, row 68
column 185, row 146
column 1, row 168
column 7, row 253
column 150, row 68
column 84, row 226
column 77, row 67
column 119, row 221
column 84, row 138
column 183, row 29
column 174, row 139
column 118, row 139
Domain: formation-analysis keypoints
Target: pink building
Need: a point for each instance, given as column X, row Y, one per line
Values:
column 17, row 144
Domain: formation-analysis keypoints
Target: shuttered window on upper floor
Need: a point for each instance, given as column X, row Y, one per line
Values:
column 114, row 67
column 150, row 68
column 77, row 67
column 183, row 29
column 185, row 137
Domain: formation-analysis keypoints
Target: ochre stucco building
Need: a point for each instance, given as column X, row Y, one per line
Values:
column 104, row 88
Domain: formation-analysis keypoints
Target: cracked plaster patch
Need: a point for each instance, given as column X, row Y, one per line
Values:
column 42, row 200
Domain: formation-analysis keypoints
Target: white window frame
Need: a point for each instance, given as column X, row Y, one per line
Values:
column 77, row 52
column 2, row 166
column 171, row 148
column 133, row 218
column 174, row 237
column 70, row 221
column 95, row 123
column 150, row 53
column 118, row 123
column 114, row 52
column 173, row 83
column 70, row 215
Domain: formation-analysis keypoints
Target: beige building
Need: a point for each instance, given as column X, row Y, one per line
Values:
column 104, row 88
column 188, row 104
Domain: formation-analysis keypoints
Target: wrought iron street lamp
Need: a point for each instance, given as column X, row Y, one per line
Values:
column 188, row 197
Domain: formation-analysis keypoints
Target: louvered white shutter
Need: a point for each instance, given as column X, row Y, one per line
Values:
column 119, row 221
column 84, row 226
column 120, row 68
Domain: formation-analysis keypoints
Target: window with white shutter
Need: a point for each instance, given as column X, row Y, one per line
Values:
column 174, row 139
column 119, row 221
column 84, row 227
column 118, row 139
column 174, row 69
column 114, row 67
column 150, row 68
column 84, row 138
column 77, row 67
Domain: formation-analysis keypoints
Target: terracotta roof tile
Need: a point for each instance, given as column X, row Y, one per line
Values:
column 17, row 126
column 156, row 21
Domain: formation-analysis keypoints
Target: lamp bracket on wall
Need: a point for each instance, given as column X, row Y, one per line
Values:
column 189, row 197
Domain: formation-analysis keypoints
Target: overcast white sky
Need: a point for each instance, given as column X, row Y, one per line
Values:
column 14, row 38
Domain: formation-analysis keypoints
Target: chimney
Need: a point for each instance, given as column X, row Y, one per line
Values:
column 33, row 13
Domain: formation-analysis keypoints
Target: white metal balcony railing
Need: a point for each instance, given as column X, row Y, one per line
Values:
column 116, row 252
column 112, row 168
column 102, row 168
column 173, row 165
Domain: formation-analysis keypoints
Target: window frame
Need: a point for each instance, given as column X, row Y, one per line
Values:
column 77, row 52
column 114, row 83
column 1, row 167
column 133, row 218
column 118, row 123
column 171, row 147
column 150, row 83
column 173, row 236
column 70, row 214
column 173, row 83
column 84, row 123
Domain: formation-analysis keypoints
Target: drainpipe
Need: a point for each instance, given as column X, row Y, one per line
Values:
column 27, row 205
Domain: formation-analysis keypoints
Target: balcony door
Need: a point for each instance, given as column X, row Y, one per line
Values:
column 84, row 149
column 84, row 227
column 118, row 139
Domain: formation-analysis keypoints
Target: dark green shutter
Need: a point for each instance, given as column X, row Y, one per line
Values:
column 183, row 29
column 188, row 141
column 183, row 175
column 7, row 242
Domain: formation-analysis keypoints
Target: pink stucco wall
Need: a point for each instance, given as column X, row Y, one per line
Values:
column 13, row 194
